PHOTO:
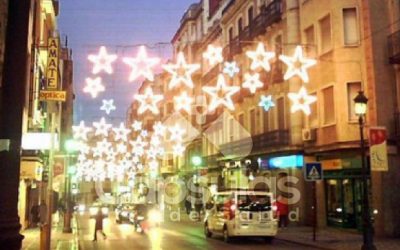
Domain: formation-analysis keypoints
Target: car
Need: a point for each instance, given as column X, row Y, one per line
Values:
column 241, row 213
column 122, row 213
column 145, row 216
column 95, row 208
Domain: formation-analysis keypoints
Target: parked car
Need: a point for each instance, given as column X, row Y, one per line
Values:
column 122, row 212
column 145, row 216
column 241, row 213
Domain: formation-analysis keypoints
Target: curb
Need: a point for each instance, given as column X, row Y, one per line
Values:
column 305, row 244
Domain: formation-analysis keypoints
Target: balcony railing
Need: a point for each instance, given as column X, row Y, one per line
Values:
column 394, row 48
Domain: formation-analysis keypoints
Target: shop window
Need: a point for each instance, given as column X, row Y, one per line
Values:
column 329, row 106
column 325, row 34
column 350, row 27
column 352, row 92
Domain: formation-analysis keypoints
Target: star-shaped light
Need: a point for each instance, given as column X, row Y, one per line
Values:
column 148, row 101
column 266, row 102
column 144, row 133
column 252, row 82
column 221, row 94
column 159, row 129
column 176, row 133
column 102, row 61
column 213, row 55
column 101, row 127
column 152, row 153
column 260, row 58
column 178, row 150
column 181, row 72
column 108, row 106
column 84, row 148
column 103, row 146
column 121, row 133
column 231, row 69
column 301, row 101
column 137, row 125
column 297, row 65
column 93, row 86
column 111, row 155
column 183, row 102
column 81, row 131
column 141, row 65
column 155, row 141
column 138, row 146
column 153, row 165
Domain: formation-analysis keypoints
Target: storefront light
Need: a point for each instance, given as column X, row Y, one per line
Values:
column 289, row 161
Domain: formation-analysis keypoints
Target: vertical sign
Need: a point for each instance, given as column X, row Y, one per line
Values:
column 52, row 63
column 378, row 149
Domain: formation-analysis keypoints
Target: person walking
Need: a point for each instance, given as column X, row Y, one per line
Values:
column 99, row 225
column 35, row 215
column 283, row 211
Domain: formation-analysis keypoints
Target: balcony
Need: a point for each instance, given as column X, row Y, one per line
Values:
column 394, row 48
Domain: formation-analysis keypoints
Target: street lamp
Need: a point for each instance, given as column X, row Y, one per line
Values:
column 70, row 146
column 360, row 108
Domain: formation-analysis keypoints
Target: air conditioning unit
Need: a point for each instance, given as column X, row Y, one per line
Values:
column 309, row 134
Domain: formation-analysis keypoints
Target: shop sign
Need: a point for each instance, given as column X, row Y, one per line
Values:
column 333, row 164
column 290, row 161
column 52, row 63
column 46, row 95
column 378, row 149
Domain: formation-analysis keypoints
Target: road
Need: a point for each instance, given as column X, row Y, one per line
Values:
column 181, row 235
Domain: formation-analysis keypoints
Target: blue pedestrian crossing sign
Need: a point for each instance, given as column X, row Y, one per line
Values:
column 313, row 171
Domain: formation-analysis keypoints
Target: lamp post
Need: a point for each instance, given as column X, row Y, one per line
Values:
column 360, row 107
column 70, row 147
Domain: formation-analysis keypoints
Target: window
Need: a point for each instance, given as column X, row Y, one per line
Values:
column 253, row 121
column 350, row 27
column 329, row 106
column 241, row 122
column 352, row 91
column 265, row 121
column 313, row 117
column 250, row 15
column 230, row 34
column 310, row 40
column 231, row 130
column 240, row 25
column 325, row 32
column 281, row 113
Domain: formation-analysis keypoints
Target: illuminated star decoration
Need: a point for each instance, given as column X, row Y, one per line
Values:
column 148, row 101
column 159, row 129
column 101, row 127
column 252, row 82
column 121, row 133
column 213, row 55
column 137, row 125
column 183, row 102
column 231, row 69
column 176, row 133
column 93, row 86
column 108, row 106
column 181, row 72
column 297, row 65
column 221, row 90
column 81, row 131
column 266, row 102
column 102, row 61
column 178, row 150
column 141, row 65
column 260, row 58
column 301, row 101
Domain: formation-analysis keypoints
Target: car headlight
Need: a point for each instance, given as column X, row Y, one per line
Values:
column 155, row 216
column 104, row 210
column 93, row 210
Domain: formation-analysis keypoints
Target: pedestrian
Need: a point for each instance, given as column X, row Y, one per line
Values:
column 99, row 225
column 188, row 205
column 35, row 215
column 282, row 210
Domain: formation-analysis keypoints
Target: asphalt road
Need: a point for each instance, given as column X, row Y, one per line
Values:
column 183, row 235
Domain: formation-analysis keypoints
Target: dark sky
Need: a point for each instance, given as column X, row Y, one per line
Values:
column 120, row 25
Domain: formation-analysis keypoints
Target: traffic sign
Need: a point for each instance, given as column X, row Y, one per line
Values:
column 313, row 171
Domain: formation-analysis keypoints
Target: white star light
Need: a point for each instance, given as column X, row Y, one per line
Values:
column 252, row 82
column 213, row 55
column 266, row 102
column 159, row 129
column 155, row 141
column 221, row 94
column 101, row 127
column 301, row 101
column 103, row 146
column 138, row 146
column 176, row 133
column 121, row 133
column 178, row 150
column 260, row 58
column 297, row 65
column 93, row 86
column 137, row 125
column 183, row 102
column 108, row 106
column 148, row 101
column 81, row 131
column 102, row 61
column 181, row 72
column 144, row 133
column 231, row 69
column 141, row 65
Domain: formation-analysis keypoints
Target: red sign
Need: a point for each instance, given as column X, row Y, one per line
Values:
column 378, row 149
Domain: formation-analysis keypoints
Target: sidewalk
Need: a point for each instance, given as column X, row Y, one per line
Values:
column 333, row 239
column 59, row 240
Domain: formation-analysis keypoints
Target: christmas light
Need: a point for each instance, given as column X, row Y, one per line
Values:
column 111, row 155
column 176, row 133
column 178, row 150
column 93, row 86
column 266, row 102
column 181, row 72
column 213, row 55
column 108, row 106
column 121, row 133
column 148, row 101
column 141, row 60
column 231, row 69
column 183, row 102
column 81, row 131
column 297, row 65
column 137, row 126
column 159, row 129
column 103, row 146
column 138, row 146
column 155, row 141
column 301, row 101
column 221, row 90
column 152, row 153
column 101, row 127
column 252, row 82
column 102, row 61
column 144, row 133
column 260, row 58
